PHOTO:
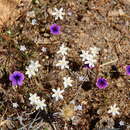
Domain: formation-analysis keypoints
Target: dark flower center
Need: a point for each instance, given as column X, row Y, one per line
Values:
column 102, row 82
column 86, row 66
column 55, row 29
column 17, row 77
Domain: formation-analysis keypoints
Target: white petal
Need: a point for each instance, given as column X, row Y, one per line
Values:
column 118, row 113
column 53, row 90
column 61, row 96
column 53, row 95
column 109, row 111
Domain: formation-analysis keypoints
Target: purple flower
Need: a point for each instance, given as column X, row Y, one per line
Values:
column 101, row 83
column 16, row 78
column 128, row 70
column 55, row 29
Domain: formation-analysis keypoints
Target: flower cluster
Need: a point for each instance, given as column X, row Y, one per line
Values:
column 72, row 111
column 35, row 100
column 58, row 93
column 32, row 68
column 90, row 58
column 63, row 50
column 54, row 28
column 63, row 63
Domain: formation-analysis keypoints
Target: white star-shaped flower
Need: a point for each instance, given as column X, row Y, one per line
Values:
column 84, row 55
column 67, row 82
column 121, row 123
column 79, row 108
column 34, row 65
column 114, row 110
column 58, row 13
column 15, row 105
column 34, row 98
column 44, row 49
column 57, row 94
column 63, row 50
column 40, row 104
column 30, row 72
column 23, row 48
column 91, row 60
column 63, row 63
column 32, row 68
column 34, row 22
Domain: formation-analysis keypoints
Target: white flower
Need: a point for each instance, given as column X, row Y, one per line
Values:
column 84, row 55
column 94, row 51
column 63, row 50
column 15, row 105
column 32, row 68
column 114, row 110
column 121, row 123
column 34, row 65
column 34, row 98
column 90, row 57
column 91, row 60
column 40, row 104
column 67, row 82
column 63, row 63
column 44, row 49
column 23, row 48
column 91, row 63
column 79, row 107
column 34, row 21
column 82, row 78
column 58, row 13
column 30, row 72
column 57, row 94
